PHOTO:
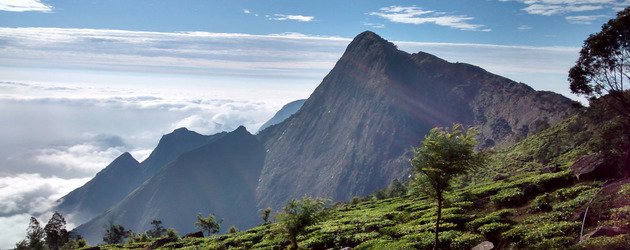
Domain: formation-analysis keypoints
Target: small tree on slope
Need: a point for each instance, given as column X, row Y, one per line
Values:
column 298, row 214
column 443, row 154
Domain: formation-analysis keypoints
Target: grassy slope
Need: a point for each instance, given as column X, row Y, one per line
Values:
column 509, row 202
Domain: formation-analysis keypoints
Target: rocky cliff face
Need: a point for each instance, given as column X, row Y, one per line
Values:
column 218, row 178
column 353, row 134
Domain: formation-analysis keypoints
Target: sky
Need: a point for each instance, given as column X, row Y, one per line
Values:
column 82, row 81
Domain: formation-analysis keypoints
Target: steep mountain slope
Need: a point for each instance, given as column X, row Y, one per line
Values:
column 285, row 112
column 108, row 187
column 218, row 178
column 354, row 132
column 125, row 174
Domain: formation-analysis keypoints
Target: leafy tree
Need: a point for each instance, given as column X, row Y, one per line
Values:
column 233, row 229
column 265, row 215
column 56, row 233
column 35, row 235
column 443, row 154
column 22, row 245
column 208, row 224
column 116, row 234
column 604, row 63
column 602, row 69
column 298, row 214
column 396, row 189
column 158, row 230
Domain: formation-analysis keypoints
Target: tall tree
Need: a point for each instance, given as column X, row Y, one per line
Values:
column 298, row 214
column 265, row 215
column 208, row 224
column 56, row 233
column 35, row 235
column 116, row 234
column 443, row 154
column 158, row 230
column 603, row 70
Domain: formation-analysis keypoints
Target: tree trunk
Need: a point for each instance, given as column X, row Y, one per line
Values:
column 294, row 244
column 437, row 223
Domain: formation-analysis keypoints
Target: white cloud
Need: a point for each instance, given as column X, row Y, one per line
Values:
column 26, row 195
column 583, row 19
column 24, row 5
column 567, row 7
column 524, row 27
column 299, row 18
column 246, row 11
column 81, row 157
column 374, row 25
column 231, row 54
column 416, row 15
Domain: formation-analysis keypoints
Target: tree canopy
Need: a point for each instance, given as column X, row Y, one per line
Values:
column 604, row 64
column 208, row 224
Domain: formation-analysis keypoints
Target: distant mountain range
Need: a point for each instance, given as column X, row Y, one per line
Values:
column 285, row 112
column 351, row 137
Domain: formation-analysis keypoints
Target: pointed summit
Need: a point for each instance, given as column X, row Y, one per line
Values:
column 125, row 159
column 369, row 42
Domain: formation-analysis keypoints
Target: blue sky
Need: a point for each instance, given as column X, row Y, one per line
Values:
column 511, row 22
column 82, row 81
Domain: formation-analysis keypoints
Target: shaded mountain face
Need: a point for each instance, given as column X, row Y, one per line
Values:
column 125, row 174
column 107, row 188
column 354, row 133
column 285, row 112
column 219, row 178
column 173, row 145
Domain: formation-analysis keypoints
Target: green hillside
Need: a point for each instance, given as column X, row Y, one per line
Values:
column 526, row 197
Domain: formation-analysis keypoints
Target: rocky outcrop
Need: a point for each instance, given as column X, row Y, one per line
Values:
column 594, row 167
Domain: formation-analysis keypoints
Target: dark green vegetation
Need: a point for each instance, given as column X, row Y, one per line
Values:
column 525, row 196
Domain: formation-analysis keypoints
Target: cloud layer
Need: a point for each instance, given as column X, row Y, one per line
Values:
column 26, row 195
column 24, row 5
column 416, row 15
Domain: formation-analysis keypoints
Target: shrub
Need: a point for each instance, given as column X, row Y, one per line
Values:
column 542, row 203
column 616, row 242
column 508, row 197
column 494, row 229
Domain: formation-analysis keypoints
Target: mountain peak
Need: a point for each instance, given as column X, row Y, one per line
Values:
column 241, row 129
column 369, row 41
column 125, row 157
column 181, row 130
